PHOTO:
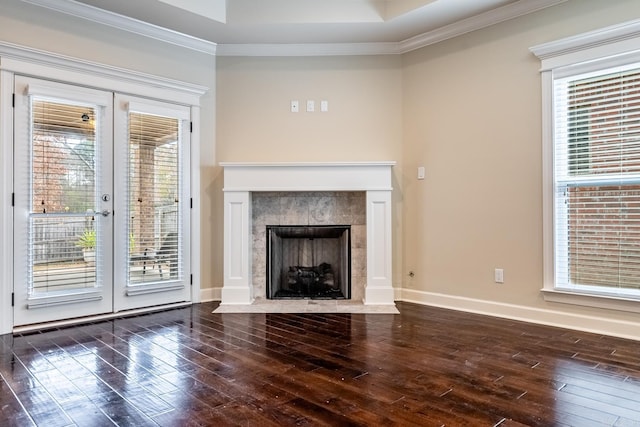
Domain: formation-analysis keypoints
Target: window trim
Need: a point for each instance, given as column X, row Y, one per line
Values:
column 604, row 48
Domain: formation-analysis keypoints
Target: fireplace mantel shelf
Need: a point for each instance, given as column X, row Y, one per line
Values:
column 305, row 164
column 308, row 176
column 243, row 178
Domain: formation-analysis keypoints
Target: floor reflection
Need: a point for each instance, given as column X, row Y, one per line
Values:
column 586, row 392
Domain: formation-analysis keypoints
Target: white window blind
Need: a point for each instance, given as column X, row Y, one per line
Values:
column 597, row 181
column 62, row 228
column 154, row 191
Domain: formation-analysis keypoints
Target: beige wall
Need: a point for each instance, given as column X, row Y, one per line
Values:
column 363, row 122
column 472, row 117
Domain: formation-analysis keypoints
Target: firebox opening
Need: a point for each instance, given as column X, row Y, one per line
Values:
column 309, row 262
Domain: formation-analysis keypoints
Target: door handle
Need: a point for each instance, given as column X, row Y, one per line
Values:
column 105, row 212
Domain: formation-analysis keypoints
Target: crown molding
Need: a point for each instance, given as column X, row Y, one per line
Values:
column 483, row 20
column 101, row 16
column 308, row 49
column 504, row 13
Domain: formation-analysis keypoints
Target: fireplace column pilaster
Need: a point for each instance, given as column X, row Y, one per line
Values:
column 238, row 248
column 379, row 287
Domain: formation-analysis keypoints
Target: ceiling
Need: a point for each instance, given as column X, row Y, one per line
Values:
column 299, row 22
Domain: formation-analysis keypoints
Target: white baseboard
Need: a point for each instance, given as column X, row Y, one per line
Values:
column 211, row 294
column 580, row 322
column 586, row 323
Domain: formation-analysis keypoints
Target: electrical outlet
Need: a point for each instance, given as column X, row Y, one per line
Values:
column 499, row 275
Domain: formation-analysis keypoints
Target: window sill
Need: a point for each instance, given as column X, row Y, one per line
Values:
column 592, row 300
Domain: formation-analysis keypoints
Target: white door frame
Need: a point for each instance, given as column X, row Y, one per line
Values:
column 6, row 210
column 22, row 60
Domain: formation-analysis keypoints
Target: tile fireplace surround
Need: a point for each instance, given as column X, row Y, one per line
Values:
column 244, row 283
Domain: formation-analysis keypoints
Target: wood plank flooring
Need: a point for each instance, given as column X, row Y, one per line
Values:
column 425, row 366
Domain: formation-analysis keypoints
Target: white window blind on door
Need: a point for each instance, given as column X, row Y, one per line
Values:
column 62, row 228
column 597, row 181
column 155, row 195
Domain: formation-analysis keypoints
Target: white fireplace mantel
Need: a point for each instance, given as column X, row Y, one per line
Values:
column 241, row 179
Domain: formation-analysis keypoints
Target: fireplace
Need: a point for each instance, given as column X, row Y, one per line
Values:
column 311, row 262
column 253, row 190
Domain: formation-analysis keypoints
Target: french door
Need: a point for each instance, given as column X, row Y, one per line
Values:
column 152, row 191
column 100, row 203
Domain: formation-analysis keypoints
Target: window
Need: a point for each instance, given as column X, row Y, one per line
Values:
column 591, row 148
column 597, row 181
column 62, row 182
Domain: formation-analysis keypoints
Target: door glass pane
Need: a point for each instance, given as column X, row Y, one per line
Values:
column 154, row 188
column 62, row 230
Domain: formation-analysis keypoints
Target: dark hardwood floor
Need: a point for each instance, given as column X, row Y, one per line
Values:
column 425, row 366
